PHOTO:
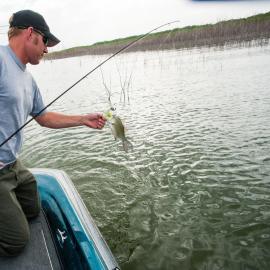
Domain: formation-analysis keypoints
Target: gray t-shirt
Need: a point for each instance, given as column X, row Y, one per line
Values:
column 19, row 98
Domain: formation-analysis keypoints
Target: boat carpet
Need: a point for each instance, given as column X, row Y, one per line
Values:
column 39, row 253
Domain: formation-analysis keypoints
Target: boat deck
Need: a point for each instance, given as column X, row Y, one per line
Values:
column 39, row 253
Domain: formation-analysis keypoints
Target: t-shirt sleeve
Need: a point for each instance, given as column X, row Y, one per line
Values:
column 38, row 104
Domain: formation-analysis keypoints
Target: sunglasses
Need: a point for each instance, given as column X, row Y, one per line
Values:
column 44, row 38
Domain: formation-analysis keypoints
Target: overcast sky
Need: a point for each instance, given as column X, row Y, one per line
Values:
column 84, row 22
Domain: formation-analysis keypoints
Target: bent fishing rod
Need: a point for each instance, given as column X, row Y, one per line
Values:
column 82, row 78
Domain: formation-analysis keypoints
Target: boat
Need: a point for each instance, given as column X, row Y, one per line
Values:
column 64, row 236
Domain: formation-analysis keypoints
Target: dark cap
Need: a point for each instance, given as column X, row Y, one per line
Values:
column 27, row 18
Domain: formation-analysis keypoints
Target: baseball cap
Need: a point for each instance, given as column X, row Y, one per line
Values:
column 27, row 18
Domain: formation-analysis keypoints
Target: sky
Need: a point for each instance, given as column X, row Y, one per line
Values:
column 84, row 22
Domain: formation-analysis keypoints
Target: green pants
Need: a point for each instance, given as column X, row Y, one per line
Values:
column 19, row 201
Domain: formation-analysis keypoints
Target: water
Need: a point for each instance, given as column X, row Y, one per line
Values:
column 195, row 191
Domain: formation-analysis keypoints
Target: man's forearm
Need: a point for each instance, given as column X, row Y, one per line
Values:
column 58, row 120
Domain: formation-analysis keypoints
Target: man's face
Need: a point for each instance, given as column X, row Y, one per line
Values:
column 36, row 47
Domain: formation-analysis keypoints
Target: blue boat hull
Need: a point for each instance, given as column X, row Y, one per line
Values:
column 78, row 242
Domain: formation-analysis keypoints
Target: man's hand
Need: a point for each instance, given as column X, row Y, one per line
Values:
column 94, row 120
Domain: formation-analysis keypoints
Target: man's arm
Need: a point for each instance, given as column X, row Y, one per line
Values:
column 58, row 120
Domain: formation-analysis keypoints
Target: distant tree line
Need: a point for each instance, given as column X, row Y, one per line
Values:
column 255, row 29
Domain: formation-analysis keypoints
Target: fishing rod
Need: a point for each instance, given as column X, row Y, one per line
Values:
column 82, row 78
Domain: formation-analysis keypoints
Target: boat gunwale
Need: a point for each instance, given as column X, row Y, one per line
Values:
column 82, row 213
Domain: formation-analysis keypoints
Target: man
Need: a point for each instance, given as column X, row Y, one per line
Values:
column 29, row 39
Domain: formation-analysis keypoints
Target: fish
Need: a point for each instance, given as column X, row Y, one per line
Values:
column 118, row 130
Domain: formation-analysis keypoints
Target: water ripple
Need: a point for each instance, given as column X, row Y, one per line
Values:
column 194, row 191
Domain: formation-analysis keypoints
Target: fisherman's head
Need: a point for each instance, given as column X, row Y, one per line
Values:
column 34, row 33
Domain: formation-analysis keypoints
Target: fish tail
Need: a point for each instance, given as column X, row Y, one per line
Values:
column 127, row 145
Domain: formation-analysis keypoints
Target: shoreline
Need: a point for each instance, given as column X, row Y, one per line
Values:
column 239, row 31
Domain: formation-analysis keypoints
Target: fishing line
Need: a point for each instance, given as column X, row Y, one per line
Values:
column 82, row 78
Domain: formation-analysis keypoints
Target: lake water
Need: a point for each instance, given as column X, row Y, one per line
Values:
column 194, row 193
